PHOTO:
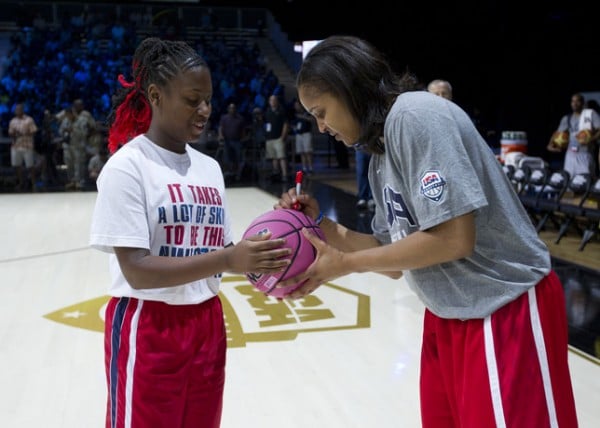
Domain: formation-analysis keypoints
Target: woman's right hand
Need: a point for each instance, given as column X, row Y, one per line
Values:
column 308, row 204
column 329, row 264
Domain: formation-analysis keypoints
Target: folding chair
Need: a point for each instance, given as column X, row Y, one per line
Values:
column 520, row 178
column 554, row 190
column 532, row 162
column 509, row 170
column 534, row 191
column 591, row 214
column 571, row 206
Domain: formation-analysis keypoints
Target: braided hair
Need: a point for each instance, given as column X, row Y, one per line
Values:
column 155, row 61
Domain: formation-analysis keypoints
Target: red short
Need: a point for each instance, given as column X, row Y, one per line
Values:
column 165, row 364
column 507, row 370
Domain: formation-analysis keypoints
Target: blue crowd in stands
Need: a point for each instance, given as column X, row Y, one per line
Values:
column 48, row 67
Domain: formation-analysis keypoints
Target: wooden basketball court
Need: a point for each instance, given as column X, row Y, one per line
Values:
column 346, row 357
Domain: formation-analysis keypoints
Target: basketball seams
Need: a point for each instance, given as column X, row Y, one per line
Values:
column 300, row 216
column 286, row 224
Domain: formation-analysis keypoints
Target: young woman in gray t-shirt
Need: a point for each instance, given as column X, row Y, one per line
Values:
column 494, row 348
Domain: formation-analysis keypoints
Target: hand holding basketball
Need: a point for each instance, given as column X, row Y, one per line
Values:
column 560, row 139
column 258, row 253
column 584, row 136
column 309, row 205
column 329, row 264
column 287, row 224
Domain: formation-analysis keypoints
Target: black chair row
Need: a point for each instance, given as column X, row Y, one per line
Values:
column 584, row 213
column 554, row 196
column 551, row 199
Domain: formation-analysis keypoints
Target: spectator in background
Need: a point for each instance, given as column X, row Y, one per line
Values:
column 48, row 149
column 302, row 125
column 76, row 155
column 96, row 140
column 277, row 128
column 440, row 87
column 341, row 153
column 96, row 163
column 579, row 152
column 232, row 128
column 117, row 33
column 65, row 120
column 594, row 105
column 258, row 139
column 22, row 129
column 258, row 130
column 365, row 197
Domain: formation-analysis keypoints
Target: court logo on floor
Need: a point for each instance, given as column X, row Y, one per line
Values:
column 251, row 316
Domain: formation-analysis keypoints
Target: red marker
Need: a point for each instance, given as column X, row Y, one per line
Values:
column 297, row 205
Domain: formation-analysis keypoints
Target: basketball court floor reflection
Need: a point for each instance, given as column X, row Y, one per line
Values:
column 347, row 356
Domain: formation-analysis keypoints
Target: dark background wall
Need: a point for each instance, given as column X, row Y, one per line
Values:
column 517, row 62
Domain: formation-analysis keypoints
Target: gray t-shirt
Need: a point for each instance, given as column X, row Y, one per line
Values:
column 437, row 167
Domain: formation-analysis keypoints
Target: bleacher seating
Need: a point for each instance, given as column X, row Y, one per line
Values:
column 78, row 37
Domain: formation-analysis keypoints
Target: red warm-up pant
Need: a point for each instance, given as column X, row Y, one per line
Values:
column 508, row 370
column 165, row 364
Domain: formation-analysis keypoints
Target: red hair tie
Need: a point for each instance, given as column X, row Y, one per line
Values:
column 124, row 82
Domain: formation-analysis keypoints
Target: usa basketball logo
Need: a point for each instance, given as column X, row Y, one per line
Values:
column 432, row 185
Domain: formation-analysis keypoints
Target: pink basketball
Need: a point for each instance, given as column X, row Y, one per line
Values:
column 288, row 224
